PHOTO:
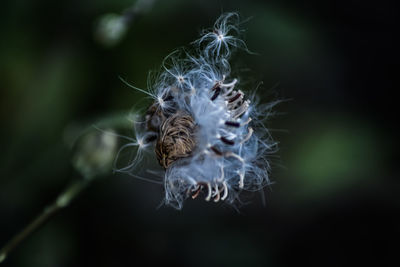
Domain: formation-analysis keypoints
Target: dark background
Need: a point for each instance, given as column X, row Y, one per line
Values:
column 335, row 197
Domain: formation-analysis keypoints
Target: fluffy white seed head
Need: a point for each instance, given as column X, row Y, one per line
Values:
column 230, row 145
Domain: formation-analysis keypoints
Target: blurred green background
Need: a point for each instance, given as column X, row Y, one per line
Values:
column 335, row 196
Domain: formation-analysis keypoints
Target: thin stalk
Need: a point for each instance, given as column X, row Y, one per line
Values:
column 61, row 202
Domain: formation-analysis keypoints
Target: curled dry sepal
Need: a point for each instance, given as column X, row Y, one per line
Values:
column 206, row 134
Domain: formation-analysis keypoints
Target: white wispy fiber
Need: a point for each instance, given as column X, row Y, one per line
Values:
column 232, row 144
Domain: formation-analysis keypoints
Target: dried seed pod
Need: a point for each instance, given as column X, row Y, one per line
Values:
column 176, row 138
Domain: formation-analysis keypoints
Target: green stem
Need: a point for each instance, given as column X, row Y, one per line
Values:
column 61, row 202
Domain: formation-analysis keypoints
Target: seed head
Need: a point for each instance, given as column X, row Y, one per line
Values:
column 207, row 134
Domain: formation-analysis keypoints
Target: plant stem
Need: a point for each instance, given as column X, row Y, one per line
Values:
column 61, row 202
